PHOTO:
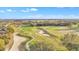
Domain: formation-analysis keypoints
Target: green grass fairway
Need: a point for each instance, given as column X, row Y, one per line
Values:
column 54, row 27
column 50, row 43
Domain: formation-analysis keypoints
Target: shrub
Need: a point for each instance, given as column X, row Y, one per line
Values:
column 2, row 44
column 71, row 41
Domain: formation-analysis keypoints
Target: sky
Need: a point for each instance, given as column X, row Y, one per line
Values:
column 39, row 13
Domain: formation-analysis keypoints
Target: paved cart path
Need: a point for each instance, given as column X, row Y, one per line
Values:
column 17, row 41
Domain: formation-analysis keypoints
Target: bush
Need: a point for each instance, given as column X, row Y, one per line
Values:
column 10, row 29
column 40, row 45
column 71, row 41
column 2, row 45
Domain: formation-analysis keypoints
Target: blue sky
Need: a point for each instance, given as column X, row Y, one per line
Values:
column 39, row 13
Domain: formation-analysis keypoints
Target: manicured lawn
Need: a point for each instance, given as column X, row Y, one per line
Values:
column 54, row 27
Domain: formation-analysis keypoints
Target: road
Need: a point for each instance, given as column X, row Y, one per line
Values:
column 17, row 41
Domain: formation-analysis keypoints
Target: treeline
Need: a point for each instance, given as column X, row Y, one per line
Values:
column 44, row 22
column 41, row 22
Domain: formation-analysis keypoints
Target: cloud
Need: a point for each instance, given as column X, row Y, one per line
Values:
column 33, row 9
column 6, row 10
column 72, row 16
column 37, row 16
column 9, row 10
column 2, row 11
column 29, row 10
column 25, row 10
column 40, row 16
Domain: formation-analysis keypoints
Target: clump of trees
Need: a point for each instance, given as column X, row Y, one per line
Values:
column 8, row 35
column 2, row 45
column 71, row 41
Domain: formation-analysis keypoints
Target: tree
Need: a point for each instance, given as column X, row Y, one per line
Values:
column 10, row 29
